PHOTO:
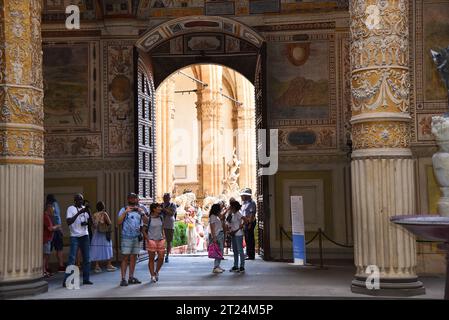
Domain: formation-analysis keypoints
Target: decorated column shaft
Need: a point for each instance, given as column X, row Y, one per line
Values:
column 246, row 140
column 208, row 111
column 165, row 120
column 383, row 183
column 21, row 148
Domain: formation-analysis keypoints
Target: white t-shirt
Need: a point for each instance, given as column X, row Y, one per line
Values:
column 76, row 229
column 217, row 224
column 236, row 222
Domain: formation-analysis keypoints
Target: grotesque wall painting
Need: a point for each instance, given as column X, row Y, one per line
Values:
column 120, row 110
column 66, row 85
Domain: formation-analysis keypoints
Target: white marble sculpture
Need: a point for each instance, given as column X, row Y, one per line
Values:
column 440, row 128
column 184, row 201
column 231, row 187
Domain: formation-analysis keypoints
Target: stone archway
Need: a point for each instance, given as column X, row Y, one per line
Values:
column 194, row 40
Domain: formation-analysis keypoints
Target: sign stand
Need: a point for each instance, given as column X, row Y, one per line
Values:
column 298, row 234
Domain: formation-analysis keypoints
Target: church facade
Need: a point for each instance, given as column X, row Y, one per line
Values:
column 348, row 89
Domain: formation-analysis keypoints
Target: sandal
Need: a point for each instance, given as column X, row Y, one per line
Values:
column 134, row 281
column 111, row 268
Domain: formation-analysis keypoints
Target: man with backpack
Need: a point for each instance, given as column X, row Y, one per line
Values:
column 131, row 220
column 169, row 214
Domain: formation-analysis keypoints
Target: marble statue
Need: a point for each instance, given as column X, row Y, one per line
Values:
column 184, row 202
column 440, row 128
column 231, row 187
column 441, row 59
column 230, row 183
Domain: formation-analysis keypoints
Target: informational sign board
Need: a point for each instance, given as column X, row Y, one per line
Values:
column 299, row 242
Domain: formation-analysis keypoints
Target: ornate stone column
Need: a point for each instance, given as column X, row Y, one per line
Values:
column 383, row 178
column 21, row 148
column 208, row 112
column 165, row 113
column 246, row 140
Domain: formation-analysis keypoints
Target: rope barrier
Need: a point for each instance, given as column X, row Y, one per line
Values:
column 318, row 234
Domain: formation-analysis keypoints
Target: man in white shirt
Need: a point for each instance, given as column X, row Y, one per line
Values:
column 249, row 211
column 78, row 219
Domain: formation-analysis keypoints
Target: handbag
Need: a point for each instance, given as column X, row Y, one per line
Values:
column 214, row 252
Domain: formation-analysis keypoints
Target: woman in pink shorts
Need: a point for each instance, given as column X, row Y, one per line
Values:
column 155, row 240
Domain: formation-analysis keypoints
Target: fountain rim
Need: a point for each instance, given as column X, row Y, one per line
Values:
column 421, row 220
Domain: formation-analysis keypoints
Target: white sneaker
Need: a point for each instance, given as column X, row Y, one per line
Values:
column 153, row 279
column 217, row 270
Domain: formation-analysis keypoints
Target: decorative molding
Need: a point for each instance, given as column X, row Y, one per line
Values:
column 190, row 24
column 72, row 146
column 381, row 153
column 388, row 134
column 344, row 82
column 88, row 165
column 424, row 151
column 21, row 143
column 380, row 116
column 325, row 137
column 285, row 158
column 297, row 26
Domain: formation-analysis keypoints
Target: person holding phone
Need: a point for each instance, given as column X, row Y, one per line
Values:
column 78, row 219
column 130, row 218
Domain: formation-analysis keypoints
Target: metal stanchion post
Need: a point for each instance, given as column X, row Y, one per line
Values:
column 320, row 241
column 282, row 244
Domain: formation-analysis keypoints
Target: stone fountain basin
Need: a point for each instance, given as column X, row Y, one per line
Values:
column 429, row 227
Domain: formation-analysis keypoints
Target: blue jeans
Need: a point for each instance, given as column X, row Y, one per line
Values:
column 220, row 242
column 84, row 244
column 237, row 247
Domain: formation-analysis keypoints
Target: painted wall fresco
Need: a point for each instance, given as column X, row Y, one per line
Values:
column 431, row 31
column 436, row 35
column 298, row 80
column 75, row 146
column 66, row 85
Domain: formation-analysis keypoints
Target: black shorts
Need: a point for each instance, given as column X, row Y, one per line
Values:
column 57, row 243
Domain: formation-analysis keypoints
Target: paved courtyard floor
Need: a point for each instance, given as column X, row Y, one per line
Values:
column 191, row 277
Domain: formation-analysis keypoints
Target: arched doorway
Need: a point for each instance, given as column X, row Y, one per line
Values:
column 193, row 40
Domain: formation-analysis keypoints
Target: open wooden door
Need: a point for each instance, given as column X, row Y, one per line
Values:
column 262, row 201
column 144, row 176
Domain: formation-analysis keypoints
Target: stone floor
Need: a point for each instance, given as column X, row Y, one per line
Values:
column 191, row 277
